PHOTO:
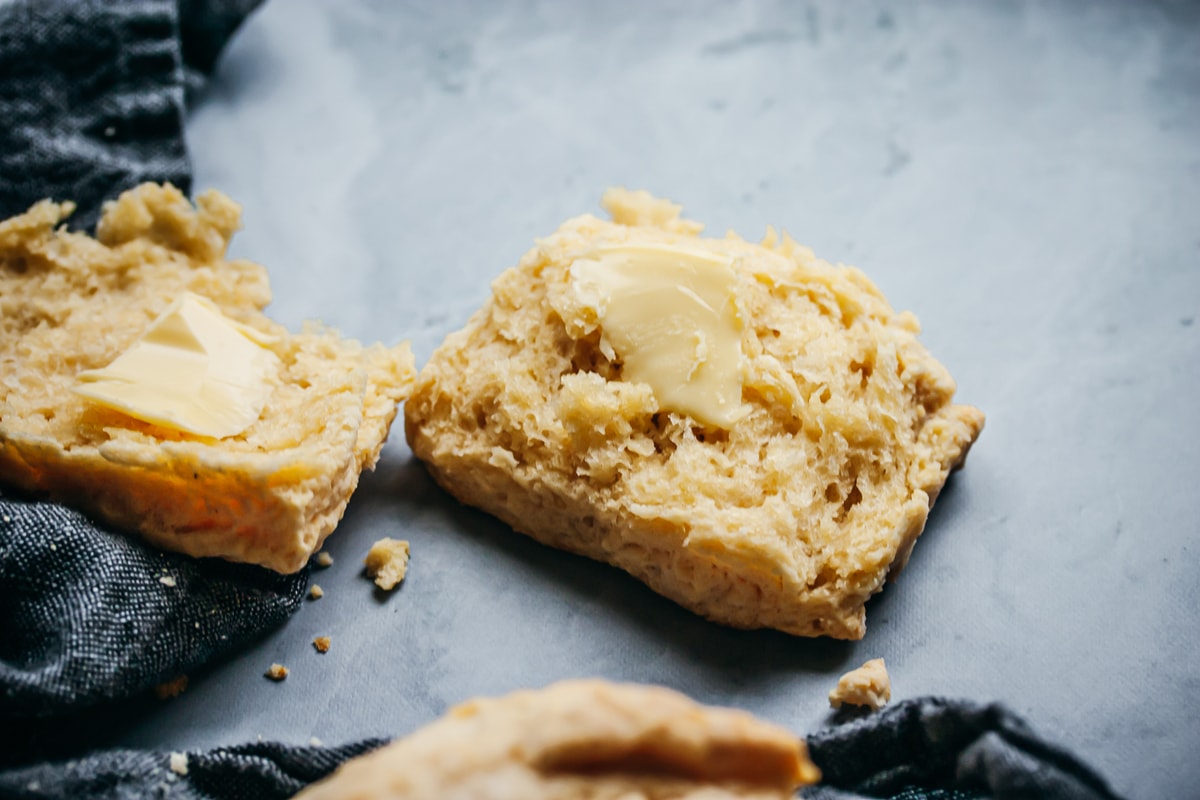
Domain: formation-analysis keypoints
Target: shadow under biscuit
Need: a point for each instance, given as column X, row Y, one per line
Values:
column 728, row 655
column 950, row 506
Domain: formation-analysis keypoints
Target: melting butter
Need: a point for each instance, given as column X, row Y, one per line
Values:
column 193, row 370
column 671, row 315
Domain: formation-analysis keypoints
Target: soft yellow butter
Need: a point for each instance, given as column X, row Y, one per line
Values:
column 671, row 315
column 194, row 370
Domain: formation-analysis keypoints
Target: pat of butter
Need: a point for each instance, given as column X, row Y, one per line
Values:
column 193, row 370
column 671, row 315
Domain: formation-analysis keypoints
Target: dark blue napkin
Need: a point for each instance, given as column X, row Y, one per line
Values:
column 91, row 616
column 92, row 95
column 262, row 771
column 935, row 749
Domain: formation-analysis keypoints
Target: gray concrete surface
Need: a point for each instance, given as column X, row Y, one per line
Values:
column 1025, row 176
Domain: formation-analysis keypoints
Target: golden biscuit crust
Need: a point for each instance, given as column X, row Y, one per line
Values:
column 581, row 739
column 70, row 303
column 791, row 519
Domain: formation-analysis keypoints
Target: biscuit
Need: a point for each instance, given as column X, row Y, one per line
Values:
column 791, row 518
column 268, row 495
column 578, row 739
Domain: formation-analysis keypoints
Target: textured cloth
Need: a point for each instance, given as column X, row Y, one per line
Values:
column 92, row 95
column 934, row 749
column 90, row 615
column 91, row 103
column 263, row 771
column 923, row 749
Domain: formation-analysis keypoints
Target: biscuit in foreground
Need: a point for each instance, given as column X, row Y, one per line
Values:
column 72, row 304
column 577, row 739
column 785, row 503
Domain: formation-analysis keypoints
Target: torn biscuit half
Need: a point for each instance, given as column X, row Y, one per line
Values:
column 749, row 430
column 141, row 382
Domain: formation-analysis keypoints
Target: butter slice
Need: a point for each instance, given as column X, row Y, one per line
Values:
column 194, row 370
column 671, row 315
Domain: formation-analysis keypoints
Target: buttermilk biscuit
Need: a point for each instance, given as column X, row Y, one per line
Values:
column 790, row 516
column 268, row 495
column 580, row 739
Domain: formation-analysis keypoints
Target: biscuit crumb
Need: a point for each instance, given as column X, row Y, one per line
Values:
column 315, row 742
column 868, row 686
column 387, row 562
column 324, row 560
column 322, row 644
column 316, row 592
column 167, row 580
column 179, row 763
column 169, row 689
column 277, row 672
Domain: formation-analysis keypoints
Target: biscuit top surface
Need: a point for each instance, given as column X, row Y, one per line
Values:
column 828, row 376
column 72, row 303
